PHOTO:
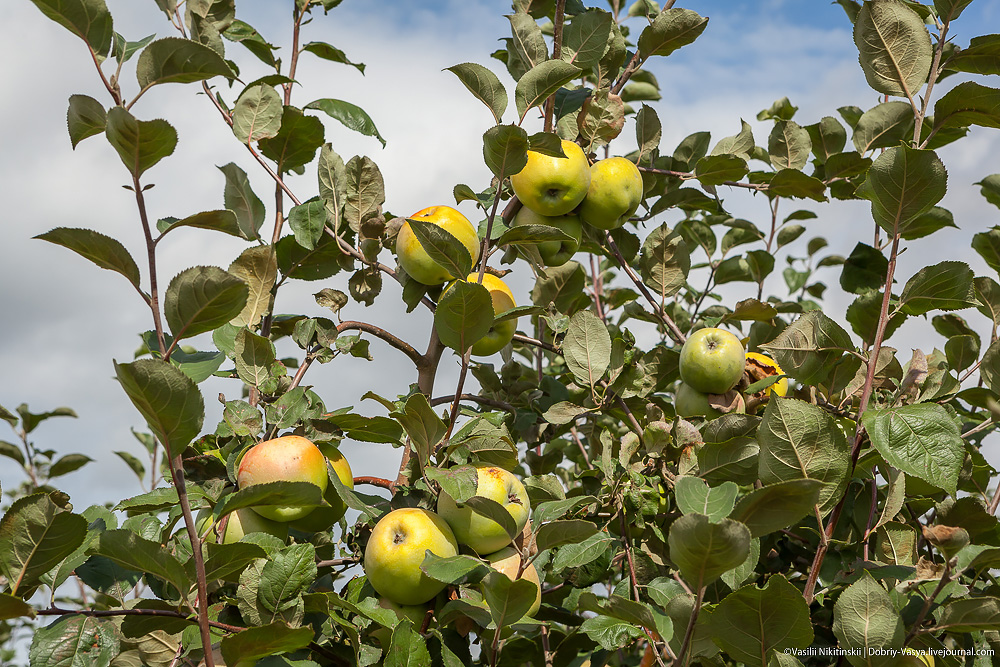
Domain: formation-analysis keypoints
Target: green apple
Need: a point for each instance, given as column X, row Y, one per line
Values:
column 508, row 561
column 483, row 535
column 553, row 185
column 415, row 260
column 290, row 458
column 690, row 402
column 712, row 361
column 241, row 522
column 554, row 253
column 397, row 547
column 322, row 517
column 614, row 194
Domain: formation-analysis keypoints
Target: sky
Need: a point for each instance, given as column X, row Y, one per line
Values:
column 64, row 320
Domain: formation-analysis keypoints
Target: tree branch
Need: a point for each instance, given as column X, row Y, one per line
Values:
column 389, row 338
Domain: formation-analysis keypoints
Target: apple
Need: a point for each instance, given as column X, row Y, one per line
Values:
column 415, row 260
column 483, row 535
column 712, row 361
column 765, row 367
column 290, row 458
column 415, row 613
column 554, row 253
column 690, row 402
column 396, row 549
column 323, row 517
column 508, row 561
column 614, row 194
column 553, row 185
column 914, row 658
column 503, row 300
column 241, row 522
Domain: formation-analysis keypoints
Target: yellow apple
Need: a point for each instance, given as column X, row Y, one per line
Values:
column 614, row 194
column 483, row 535
column 761, row 367
column 323, row 518
column 241, row 522
column 415, row 260
column 554, row 253
column 290, row 458
column 396, row 549
column 712, row 361
column 553, row 185
column 508, row 561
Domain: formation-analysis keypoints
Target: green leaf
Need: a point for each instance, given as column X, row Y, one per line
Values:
column 89, row 20
column 11, row 451
column 331, row 53
column 495, row 512
column 585, row 38
column 557, row 533
column 895, row 48
column 703, row 551
column 970, row 615
column 257, row 114
column 788, row 145
column 257, row 267
column 903, row 183
column 166, row 398
column 285, row 494
column 741, row 144
column 828, row 137
column 505, row 149
column 84, row 118
column 611, row 633
column 864, row 619
column 694, row 496
column 864, row 270
column 443, row 247
column 981, row 57
column 928, row 223
column 669, row 31
column 422, row 424
column 648, row 131
column 485, row 85
column 532, row 234
column 508, row 600
column 178, row 60
column 68, row 463
column 809, row 347
column 944, row 286
column 254, row 356
column 793, row 183
column 587, row 348
column 664, row 261
column 541, row 81
column 561, row 286
column 221, row 221
column 297, row 141
column 104, row 251
column 201, row 299
column 459, row 483
column 406, row 648
column 35, row 536
column 717, row 169
column 349, row 115
column 332, row 176
column 255, row 643
column 307, row 222
column 454, row 569
column 922, row 440
column 799, row 440
column 771, row 619
column 140, row 144
column 782, row 109
column 779, row 505
column 133, row 552
column 966, row 104
column 528, row 42
column 14, row 607
column 74, row 640
column 602, row 118
column 883, row 126
column 241, row 200
column 463, row 315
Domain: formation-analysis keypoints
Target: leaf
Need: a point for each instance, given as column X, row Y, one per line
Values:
column 297, row 141
column 485, row 85
column 788, row 145
column 133, row 552
column 664, row 261
column 221, row 221
column 254, row 356
column 459, row 483
column 454, row 569
column 140, row 144
column 307, row 222
column 332, row 176
column 669, row 31
column 89, row 20
column 883, row 126
column 703, row 551
column 966, row 104
column 35, row 536
column 865, row 619
column 541, row 81
column 562, row 412
column 364, row 191
column 776, row 506
column 799, row 440
column 331, row 53
column 611, row 633
column 561, row 286
column 648, row 131
column 422, row 424
column 84, row 118
column 532, row 234
column 981, row 57
column 527, row 41
column 166, row 398
column 257, row 114
column 694, row 496
column 772, row 619
column 793, row 183
column 601, row 119
column 505, row 149
column 717, row 169
column 14, row 607
column 557, row 533
column 741, row 144
column 256, row 266
column 241, row 200
column 463, row 315
column 285, row 494
column 495, row 512
column 68, row 463
column 74, row 640
column 585, row 39
column 587, row 348
column 104, row 251
column 927, row 223
column 406, row 648
column 349, row 115
column 202, row 298
column 894, row 46
column 828, row 137
column 178, row 60
column 922, row 440
column 508, row 600
column 443, row 247
column 944, row 286
column 809, row 347
column 255, row 643
column 970, row 615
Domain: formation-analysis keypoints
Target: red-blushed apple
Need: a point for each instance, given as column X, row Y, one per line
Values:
column 508, row 561
column 290, row 458
column 554, row 253
column 415, row 260
column 239, row 523
column 614, row 194
column 553, row 185
column 483, row 535
column 397, row 547
column 323, row 517
column 712, row 361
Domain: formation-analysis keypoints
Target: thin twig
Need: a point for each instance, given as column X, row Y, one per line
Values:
column 374, row 481
column 915, row 628
column 379, row 332
column 672, row 329
column 475, row 398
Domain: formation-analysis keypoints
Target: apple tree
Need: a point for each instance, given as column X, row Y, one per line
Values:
column 830, row 493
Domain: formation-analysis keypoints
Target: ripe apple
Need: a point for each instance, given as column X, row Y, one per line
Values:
column 290, row 458
column 690, row 402
column 553, row 185
column 483, row 535
column 554, row 253
column 323, row 518
column 508, row 561
column 712, row 361
column 415, row 260
column 614, row 194
column 764, row 367
column 415, row 613
column 241, row 522
column 396, row 549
